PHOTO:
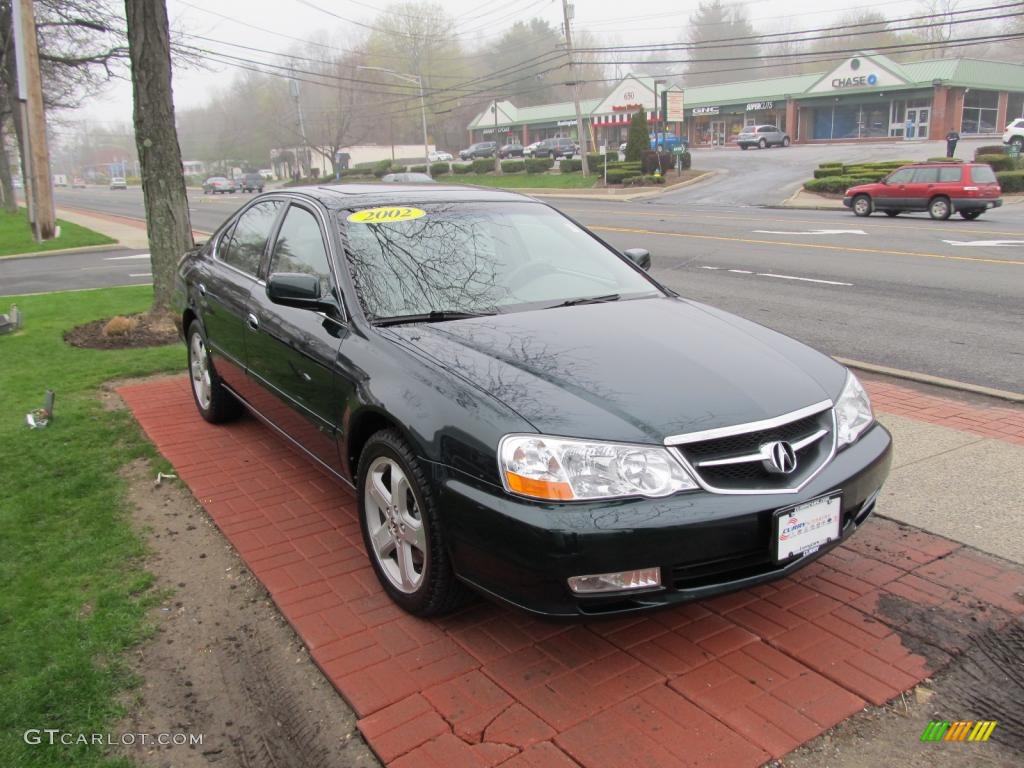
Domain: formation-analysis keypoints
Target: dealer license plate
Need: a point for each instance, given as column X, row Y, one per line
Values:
column 805, row 528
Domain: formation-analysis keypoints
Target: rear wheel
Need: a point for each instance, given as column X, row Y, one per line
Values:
column 213, row 401
column 762, row 144
column 785, row 141
column 401, row 531
column 862, row 205
column 892, row 213
column 970, row 215
column 939, row 208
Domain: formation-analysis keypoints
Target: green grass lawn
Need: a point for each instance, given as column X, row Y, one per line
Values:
column 73, row 590
column 16, row 235
column 522, row 180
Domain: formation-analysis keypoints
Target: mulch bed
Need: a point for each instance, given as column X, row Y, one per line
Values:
column 150, row 332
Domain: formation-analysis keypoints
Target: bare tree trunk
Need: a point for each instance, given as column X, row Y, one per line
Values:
column 6, row 186
column 156, row 137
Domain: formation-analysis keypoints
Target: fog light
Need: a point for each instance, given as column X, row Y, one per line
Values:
column 621, row 581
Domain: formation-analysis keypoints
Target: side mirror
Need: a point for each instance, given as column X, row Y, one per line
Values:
column 296, row 289
column 639, row 256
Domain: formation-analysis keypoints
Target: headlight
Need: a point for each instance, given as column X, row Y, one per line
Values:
column 561, row 469
column 853, row 411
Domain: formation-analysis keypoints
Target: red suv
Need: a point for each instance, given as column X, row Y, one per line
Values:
column 939, row 188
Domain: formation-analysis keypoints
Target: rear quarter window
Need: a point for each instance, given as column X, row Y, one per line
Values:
column 983, row 174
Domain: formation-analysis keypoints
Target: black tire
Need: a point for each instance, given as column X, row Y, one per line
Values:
column 939, row 208
column 222, row 404
column 1019, row 141
column 439, row 591
column 785, row 141
column 861, row 205
column 892, row 213
column 744, row 147
column 970, row 215
column 762, row 144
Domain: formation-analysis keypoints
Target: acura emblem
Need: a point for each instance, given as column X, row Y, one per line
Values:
column 778, row 457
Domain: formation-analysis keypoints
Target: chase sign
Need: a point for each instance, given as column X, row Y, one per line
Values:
column 859, row 81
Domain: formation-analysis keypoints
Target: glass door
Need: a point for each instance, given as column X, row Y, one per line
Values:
column 718, row 133
column 923, row 116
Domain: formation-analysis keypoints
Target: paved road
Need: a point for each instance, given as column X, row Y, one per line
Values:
column 96, row 269
column 944, row 298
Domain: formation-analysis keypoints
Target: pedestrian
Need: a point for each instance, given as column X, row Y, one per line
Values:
column 951, row 139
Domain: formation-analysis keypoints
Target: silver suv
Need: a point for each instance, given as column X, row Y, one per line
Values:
column 762, row 136
column 1015, row 133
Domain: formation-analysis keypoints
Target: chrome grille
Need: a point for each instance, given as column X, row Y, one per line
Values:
column 736, row 462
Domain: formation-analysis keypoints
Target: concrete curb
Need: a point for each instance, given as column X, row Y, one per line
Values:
column 612, row 196
column 937, row 381
column 115, row 246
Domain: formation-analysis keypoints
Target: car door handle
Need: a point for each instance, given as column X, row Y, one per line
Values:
column 202, row 289
column 253, row 322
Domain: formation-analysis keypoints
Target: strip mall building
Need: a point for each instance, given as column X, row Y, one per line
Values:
column 867, row 97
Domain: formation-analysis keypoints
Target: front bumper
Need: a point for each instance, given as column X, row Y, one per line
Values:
column 848, row 202
column 523, row 552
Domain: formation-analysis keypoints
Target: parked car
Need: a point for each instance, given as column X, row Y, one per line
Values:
column 511, row 150
column 762, row 137
column 559, row 147
column 970, row 189
column 60, row 180
column 78, row 183
column 250, row 182
column 529, row 149
column 480, row 149
column 216, row 184
column 667, row 142
column 408, row 177
column 440, row 157
column 483, row 414
column 1014, row 133
column 266, row 173
column 118, row 182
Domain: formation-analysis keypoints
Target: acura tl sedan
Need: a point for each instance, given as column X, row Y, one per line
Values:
column 521, row 408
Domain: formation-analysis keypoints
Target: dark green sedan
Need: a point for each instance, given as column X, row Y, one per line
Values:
column 520, row 408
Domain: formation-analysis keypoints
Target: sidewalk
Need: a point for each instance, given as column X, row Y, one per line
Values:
column 738, row 680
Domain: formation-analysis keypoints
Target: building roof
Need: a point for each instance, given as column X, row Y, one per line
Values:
column 542, row 113
column 972, row 73
column 750, row 90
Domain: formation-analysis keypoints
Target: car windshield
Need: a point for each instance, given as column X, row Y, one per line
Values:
column 479, row 258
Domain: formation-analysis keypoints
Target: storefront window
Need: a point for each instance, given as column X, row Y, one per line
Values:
column 1014, row 107
column 981, row 110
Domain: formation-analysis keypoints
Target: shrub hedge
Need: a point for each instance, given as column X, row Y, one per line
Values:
column 440, row 169
column 570, row 166
column 989, row 149
column 998, row 162
column 513, row 166
column 539, row 164
column 618, row 175
column 1011, row 181
column 836, row 184
column 483, row 165
column 417, row 169
column 462, row 168
column 687, row 160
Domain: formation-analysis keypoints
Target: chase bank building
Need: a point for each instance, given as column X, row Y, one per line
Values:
column 867, row 97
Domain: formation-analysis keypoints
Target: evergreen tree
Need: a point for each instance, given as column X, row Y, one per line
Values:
column 722, row 53
column 638, row 140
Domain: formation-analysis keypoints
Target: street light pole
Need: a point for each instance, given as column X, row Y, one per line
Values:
column 418, row 79
column 567, row 15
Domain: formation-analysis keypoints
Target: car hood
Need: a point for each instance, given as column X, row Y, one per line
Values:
column 634, row 371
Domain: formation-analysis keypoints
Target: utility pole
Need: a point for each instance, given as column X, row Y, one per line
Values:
column 567, row 12
column 293, row 87
column 497, row 144
column 36, row 153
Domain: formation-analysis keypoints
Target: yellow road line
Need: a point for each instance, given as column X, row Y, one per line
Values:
column 598, row 228
column 815, row 222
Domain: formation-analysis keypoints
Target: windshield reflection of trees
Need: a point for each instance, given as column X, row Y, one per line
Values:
column 250, row 236
column 448, row 261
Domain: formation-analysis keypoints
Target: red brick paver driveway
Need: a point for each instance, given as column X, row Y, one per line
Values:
column 733, row 681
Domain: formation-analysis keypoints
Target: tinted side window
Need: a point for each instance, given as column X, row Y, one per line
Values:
column 948, row 174
column 983, row 174
column 770, row 129
column 300, row 248
column 902, row 176
column 245, row 248
column 926, row 175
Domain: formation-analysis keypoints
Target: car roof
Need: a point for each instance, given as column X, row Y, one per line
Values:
column 341, row 196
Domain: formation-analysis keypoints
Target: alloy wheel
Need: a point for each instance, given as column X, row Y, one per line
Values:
column 395, row 525
column 199, row 368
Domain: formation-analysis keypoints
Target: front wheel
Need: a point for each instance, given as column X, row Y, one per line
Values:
column 970, row 215
column 862, row 205
column 744, row 147
column 401, row 531
column 1018, row 141
column 939, row 208
column 785, row 141
column 213, row 401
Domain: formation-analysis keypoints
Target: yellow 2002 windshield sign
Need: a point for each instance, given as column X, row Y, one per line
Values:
column 386, row 215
